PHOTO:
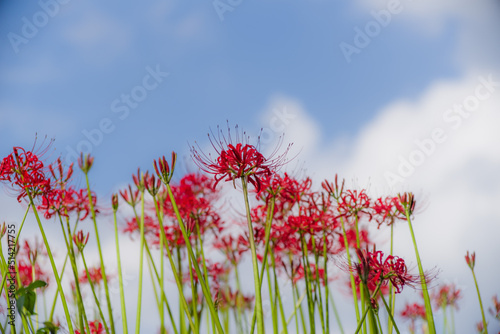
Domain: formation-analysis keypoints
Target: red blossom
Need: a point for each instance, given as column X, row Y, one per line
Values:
column 414, row 311
column 237, row 160
column 95, row 327
column 471, row 260
column 372, row 270
column 25, row 173
column 387, row 210
column 447, row 295
column 95, row 275
column 353, row 203
column 26, row 273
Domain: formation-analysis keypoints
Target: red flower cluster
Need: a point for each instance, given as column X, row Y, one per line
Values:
column 95, row 276
column 95, row 327
column 447, row 295
column 25, row 172
column 413, row 311
column 238, row 160
column 373, row 270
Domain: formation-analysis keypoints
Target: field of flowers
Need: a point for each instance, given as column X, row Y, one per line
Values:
column 295, row 234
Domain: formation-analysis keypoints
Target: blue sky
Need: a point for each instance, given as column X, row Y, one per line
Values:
column 65, row 78
column 359, row 117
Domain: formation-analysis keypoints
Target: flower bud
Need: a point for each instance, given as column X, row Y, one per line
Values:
column 114, row 202
column 85, row 162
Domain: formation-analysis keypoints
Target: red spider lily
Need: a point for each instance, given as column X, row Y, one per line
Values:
column 232, row 247
column 414, row 311
column 85, row 162
column 496, row 311
column 80, row 240
column 351, row 239
column 61, row 178
column 95, row 274
column 163, row 170
column 373, row 270
column 140, row 179
column 238, row 160
column 387, row 210
column 332, row 189
column 195, row 200
column 26, row 273
column 447, row 295
column 95, row 328
column 131, row 197
column 287, row 190
column 32, row 251
column 25, row 172
column 353, row 203
column 216, row 272
column 471, row 260
column 407, row 201
column 301, row 274
column 152, row 184
column 151, row 227
column 480, row 327
column 64, row 201
column 114, row 202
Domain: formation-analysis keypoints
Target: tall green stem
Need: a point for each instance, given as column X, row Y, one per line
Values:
column 103, row 268
column 120, row 277
column 427, row 300
column 54, row 269
column 258, row 297
column 480, row 303
column 353, row 283
column 203, row 283
column 141, row 267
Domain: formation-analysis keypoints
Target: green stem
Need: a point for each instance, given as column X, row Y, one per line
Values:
column 297, row 304
column 52, row 263
column 15, row 243
column 391, row 318
column 103, row 268
column 310, row 302
column 94, row 294
column 327, row 289
column 258, row 296
column 178, row 279
column 480, row 303
column 337, row 317
column 353, row 283
column 148, row 252
column 141, row 268
column 120, row 277
column 427, row 301
column 203, row 283
column 269, row 219
column 69, row 245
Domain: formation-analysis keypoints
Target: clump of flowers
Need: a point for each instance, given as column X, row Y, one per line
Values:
column 193, row 242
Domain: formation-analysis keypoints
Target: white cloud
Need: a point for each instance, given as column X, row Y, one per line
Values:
column 475, row 22
column 459, row 179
